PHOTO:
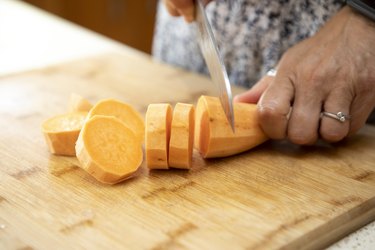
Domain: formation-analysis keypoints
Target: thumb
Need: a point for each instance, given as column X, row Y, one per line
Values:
column 253, row 95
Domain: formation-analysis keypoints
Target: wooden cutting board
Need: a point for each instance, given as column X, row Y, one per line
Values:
column 277, row 195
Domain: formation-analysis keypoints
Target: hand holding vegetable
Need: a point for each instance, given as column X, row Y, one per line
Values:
column 333, row 71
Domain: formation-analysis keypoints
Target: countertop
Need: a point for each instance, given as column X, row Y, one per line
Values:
column 31, row 38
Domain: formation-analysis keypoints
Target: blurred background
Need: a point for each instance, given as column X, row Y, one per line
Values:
column 128, row 21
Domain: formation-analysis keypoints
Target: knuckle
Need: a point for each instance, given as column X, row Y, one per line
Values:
column 271, row 123
column 269, row 111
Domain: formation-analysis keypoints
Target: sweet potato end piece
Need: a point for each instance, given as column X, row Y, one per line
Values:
column 78, row 104
column 62, row 143
column 61, row 132
column 216, row 139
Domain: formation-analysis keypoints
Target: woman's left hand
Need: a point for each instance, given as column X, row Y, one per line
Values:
column 333, row 71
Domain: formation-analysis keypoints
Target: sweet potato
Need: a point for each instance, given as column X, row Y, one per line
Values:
column 126, row 113
column 108, row 150
column 182, row 136
column 61, row 132
column 158, row 122
column 214, row 136
column 78, row 104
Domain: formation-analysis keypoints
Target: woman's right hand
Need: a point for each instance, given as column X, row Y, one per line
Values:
column 185, row 8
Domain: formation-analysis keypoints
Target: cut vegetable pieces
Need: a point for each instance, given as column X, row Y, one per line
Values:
column 158, row 122
column 126, row 113
column 61, row 132
column 214, row 136
column 182, row 136
column 78, row 104
column 108, row 139
column 108, row 150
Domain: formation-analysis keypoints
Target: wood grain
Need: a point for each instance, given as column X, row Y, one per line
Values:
column 277, row 195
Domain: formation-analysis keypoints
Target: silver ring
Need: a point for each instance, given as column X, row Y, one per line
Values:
column 271, row 72
column 340, row 116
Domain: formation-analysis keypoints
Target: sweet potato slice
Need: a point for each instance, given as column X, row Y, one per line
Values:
column 126, row 113
column 78, row 104
column 182, row 136
column 214, row 136
column 61, row 132
column 158, row 122
column 108, row 150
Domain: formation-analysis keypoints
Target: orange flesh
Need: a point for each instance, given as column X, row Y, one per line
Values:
column 215, row 137
column 65, row 122
column 182, row 136
column 108, row 150
column 78, row 104
column 61, row 132
column 158, row 122
column 127, row 114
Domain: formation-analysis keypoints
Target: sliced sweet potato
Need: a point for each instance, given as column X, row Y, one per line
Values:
column 158, row 122
column 78, row 104
column 61, row 132
column 182, row 136
column 214, row 136
column 126, row 113
column 108, row 150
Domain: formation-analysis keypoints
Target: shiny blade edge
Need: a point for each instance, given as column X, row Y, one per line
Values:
column 214, row 62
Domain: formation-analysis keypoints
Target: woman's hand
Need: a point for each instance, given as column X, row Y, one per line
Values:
column 333, row 71
column 185, row 8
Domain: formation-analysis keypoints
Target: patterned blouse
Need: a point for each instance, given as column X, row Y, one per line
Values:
column 252, row 34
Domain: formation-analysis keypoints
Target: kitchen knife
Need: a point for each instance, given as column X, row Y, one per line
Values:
column 214, row 61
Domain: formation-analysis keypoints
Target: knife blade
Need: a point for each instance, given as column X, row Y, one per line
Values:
column 216, row 67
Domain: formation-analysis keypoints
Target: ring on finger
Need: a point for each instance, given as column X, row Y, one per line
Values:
column 340, row 116
column 271, row 72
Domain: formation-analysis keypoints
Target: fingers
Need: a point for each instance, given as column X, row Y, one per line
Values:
column 304, row 123
column 304, row 120
column 253, row 95
column 185, row 8
column 274, row 107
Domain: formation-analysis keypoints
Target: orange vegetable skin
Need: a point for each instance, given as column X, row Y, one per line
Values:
column 126, row 113
column 158, row 122
column 78, row 104
column 108, row 150
column 182, row 136
column 61, row 132
column 214, row 136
